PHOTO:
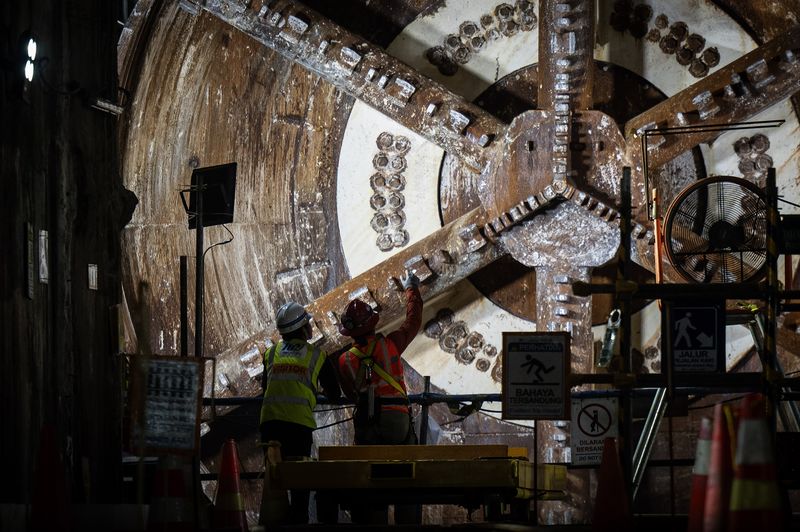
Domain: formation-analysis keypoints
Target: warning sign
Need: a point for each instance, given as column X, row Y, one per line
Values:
column 593, row 420
column 535, row 369
column 698, row 337
column 165, row 399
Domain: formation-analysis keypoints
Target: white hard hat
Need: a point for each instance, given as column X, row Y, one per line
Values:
column 291, row 317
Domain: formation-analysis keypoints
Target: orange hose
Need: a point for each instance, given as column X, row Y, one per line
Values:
column 659, row 241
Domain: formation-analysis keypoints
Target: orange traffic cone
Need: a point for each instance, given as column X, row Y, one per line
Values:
column 229, row 507
column 697, row 501
column 720, row 471
column 50, row 508
column 755, row 495
column 170, row 503
column 611, row 509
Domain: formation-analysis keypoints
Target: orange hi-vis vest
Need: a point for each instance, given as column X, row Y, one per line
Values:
column 387, row 370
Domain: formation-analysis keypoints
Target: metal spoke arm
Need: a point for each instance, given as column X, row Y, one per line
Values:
column 735, row 92
column 440, row 260
column 566, row 54
column 366, row 72
column 566, row 72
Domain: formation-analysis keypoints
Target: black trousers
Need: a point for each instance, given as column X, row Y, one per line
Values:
column 390, row 427
column 295, row 440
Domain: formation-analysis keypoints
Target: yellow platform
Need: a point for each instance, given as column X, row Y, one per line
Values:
column 431, row 474
column 420, row 452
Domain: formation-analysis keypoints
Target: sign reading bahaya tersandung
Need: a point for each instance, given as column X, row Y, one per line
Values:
column 165, row 401
column 535, row 371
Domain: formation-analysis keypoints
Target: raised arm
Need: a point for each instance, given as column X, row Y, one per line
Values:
column 410, row 327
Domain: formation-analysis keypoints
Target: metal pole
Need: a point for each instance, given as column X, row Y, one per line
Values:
column 666, row 346
column 536, row 473
column 673, row 291
column 198, row 327
column 198, row 291
column 770, row 353
column 423, row 430
column 649, row 432
column 646, row 176
column 671, row 433
column 624, row 272
column 184, row 305
column 625, row 265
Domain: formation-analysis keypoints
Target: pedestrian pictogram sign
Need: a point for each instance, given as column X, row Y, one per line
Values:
column 593, row 420
column 535, row 369
column 698, row 337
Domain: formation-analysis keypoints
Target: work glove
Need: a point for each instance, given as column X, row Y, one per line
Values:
column 409, row 279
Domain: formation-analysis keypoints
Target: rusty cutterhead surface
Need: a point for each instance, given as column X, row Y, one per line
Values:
column 344, row 181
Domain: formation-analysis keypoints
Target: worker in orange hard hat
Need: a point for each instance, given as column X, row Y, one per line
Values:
column 371, row 370
column 292, row 370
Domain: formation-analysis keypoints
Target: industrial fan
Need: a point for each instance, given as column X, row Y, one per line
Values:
column 715, row 231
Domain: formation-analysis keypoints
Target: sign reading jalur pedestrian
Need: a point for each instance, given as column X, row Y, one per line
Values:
column 165, row 400
column 697, row 332
column 593, row 420
column 535, row 370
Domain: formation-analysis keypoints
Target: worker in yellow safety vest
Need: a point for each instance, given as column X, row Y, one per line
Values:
column 293, row 367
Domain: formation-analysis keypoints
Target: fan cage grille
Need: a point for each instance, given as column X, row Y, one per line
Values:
column 716, row 230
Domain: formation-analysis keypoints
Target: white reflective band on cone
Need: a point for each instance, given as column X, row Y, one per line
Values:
column 703, row 459
column 754, row 445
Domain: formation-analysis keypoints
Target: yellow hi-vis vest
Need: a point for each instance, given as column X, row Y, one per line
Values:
column 293, row 369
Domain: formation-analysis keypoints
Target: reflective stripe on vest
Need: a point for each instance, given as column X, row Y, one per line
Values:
column 391, row 385
column 293, row 369
column 366, row 358
column 289, row 399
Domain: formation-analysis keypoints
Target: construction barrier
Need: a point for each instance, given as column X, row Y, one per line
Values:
column 755, row 495
column 274, row 502
column 702, row 461
column 611, row 508
column 228, row 505
column 720, row 470
column 170, row 502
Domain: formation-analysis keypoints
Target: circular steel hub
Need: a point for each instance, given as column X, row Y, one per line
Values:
column 567, row 232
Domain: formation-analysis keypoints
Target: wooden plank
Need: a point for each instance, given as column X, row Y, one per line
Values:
column 420, row 452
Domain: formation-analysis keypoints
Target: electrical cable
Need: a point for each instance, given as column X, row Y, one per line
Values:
column 219, row 243
column 334, row 409
column 456, row 420
column 787, row 201
column 203, row 260
column 334, row 423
